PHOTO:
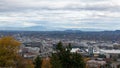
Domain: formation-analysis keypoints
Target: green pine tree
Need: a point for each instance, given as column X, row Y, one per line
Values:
column 38, row 62
column 63, row 58
column 55, row 62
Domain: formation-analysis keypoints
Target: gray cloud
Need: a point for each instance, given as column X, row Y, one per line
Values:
column 60, row 14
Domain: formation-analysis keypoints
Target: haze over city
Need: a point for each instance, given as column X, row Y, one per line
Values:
column 50, row 15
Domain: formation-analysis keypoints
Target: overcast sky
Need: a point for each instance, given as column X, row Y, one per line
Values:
column 59, row 14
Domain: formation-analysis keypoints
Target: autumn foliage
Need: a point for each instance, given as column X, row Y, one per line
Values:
column 8, row 51
column 9, row 56
column 46, row 63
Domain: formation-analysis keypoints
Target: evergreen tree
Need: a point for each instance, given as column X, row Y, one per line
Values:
column 63, row 58
column 55, row 62
column 77, row 61
column 37, row 62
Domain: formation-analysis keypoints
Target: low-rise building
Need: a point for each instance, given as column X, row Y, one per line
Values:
column 95, row 64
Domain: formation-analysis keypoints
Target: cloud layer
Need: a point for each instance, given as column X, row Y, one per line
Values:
column 59, row 14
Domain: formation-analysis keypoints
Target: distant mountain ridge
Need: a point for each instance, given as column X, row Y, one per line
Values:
column 69, row 34
column 42, row 28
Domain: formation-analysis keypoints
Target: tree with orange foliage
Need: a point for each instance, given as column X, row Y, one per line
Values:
column 8, row 51
column 46, row 63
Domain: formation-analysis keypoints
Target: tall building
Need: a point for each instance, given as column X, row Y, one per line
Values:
column 90, row 50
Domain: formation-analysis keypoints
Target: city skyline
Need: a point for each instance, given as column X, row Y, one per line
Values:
column 50, row 15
